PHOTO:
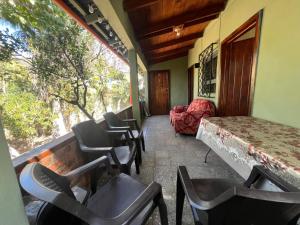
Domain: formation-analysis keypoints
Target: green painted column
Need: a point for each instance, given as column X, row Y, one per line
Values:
column 11, row 205
column 134, row 85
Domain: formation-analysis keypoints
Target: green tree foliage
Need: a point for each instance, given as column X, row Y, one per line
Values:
column 50, row 58
column 24, row 114
column 61, row 52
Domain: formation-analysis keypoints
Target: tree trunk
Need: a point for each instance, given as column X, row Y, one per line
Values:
column 85, row 112
column 102, row 100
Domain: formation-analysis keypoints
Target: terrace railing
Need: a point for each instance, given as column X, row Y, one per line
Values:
column 62, row 154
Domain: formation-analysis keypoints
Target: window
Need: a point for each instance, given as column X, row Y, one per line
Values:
column 207, row 71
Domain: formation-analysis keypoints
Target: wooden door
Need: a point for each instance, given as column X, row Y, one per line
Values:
column 159, row 92
column 190, row 84
column 238, row 63
column 236, row 83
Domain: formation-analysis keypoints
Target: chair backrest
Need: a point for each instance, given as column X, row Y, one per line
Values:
column 43, row 183
column 201, row 105
column 249, row 205
column 52, row 188
column 256, row 207
column 113, row 120
column 91, row 134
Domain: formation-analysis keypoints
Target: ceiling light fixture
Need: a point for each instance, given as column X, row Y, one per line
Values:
column 100, row 19
column 107, row 27
column 91, row 8
column 178, row 30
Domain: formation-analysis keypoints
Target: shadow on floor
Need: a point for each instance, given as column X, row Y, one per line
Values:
column 165, row 151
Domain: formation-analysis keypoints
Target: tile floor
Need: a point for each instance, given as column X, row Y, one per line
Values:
column 164, row 152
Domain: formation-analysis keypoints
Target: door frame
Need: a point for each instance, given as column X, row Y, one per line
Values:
column 190, row 84
column 149, row 87
column 254, row 22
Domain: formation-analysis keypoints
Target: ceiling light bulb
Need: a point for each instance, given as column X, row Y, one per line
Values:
column 178, row 30
column 100, row 19
column 91, row 8
column 107, row 27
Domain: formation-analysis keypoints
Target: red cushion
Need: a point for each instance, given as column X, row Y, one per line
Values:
column 186, row 120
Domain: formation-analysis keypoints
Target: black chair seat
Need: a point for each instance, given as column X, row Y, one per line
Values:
column 122, row 200
column 131, row 125
column 96, row 142
column 208, row 189
column 123, row 155
column 136, row 134
column 116, row 196
column 223, row 202
column 81, row 194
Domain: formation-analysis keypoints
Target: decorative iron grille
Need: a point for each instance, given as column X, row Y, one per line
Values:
column 207, row 71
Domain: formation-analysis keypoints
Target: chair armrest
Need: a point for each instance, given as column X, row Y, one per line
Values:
column 130, row 120
column 283, row 197
column 149, row 194
column 88, row 167
column 123, row 128
column 180, row 108
column 192, row 196
column 119, row 128
column 183, row 116
column 134, row 121
column 102, row 150
column 122, row 132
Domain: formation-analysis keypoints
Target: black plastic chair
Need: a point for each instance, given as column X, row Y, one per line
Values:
column 44, row 213
column 96, row 142
column 114, row 123
column 122, row 200
column 223, row 202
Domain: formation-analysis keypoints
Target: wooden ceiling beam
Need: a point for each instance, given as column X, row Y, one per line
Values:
column 170, row 52
column 170, row 57
column 132, row 5
column 187, row 19
column 180, row 40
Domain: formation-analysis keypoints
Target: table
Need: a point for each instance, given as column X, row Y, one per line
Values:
column 243, row 142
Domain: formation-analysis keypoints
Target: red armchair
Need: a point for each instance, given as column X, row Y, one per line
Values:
column 186, row 119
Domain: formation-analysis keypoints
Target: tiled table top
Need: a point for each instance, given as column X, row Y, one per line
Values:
column 274, row 145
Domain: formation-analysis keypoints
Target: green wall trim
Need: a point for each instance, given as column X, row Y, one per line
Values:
column 11, row 205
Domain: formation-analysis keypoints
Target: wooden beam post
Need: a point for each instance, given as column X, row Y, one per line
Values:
column 166, row 58
column 132, row 5
column 170, row 52
column 187, row 19
column 180, row 40
column 134, row 84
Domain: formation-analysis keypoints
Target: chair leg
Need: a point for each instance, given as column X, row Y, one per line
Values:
column 139, row 151
column 126, row 169
column 137, row 164
column 207, row 153
column 163, row 212
column 94, row 180
column 179, row 201
column 143, row 143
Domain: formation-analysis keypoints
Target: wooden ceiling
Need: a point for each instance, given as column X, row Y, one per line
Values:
column 153, row 22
